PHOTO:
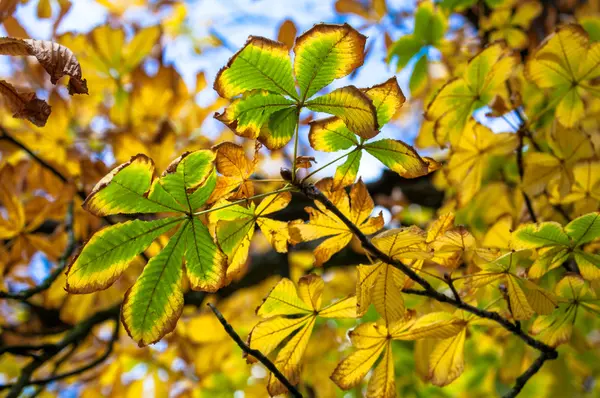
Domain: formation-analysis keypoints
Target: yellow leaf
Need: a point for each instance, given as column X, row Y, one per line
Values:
column 323, row 223
column 382, row 383
column 236, row 169
column 446, row 362
column 369, row 339
column 469, row 158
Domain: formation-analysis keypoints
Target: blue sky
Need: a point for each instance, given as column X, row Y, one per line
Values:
column 235, row 20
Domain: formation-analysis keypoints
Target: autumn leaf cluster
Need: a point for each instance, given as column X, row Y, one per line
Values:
column 484, row 282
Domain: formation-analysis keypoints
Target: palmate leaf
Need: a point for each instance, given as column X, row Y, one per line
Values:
column 557, row 328
column 293, row 311
column 154, row 303
column 334, row 134
column 552, row 171
column 265, row 103
column 430, row 26
column 235, row 224
column 556, row 244
column 568, row 64
column 323, row 223
column 373, row 341
column 483, row 79
column 381, row 283
column 525, row 297
column 469, row 157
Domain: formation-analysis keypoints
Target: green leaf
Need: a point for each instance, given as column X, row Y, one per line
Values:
column 404, row 49
column 129, row 189
column 205, row 264
column 387, row 99
column 430, row 24
column 234, row 224
column 589, row 264
column 544, row 234
column 108, row 253
column 279, row 130
column 399, row 157
column 584, row 229
column 325, row 53
column 346, row 173
column 199, row 197
column 330, row 135
column 418, row 79
column 187, row 173
column 247, row 115
column 262, row 64
column 154, row 303
column 352, row 106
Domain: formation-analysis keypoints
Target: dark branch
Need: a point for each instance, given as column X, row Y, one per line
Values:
column 74, row 336
column 7, row 137
column 255, row 353
column 450, row 283
column 62, row 263
column 528, row 374
column 313, row 193
column 528, row 203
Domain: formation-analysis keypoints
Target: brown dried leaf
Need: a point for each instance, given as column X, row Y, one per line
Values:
column 305, row 162
column 25, row 105
column 14, row 28
column 287, row 33
column 56, row 59
column 7, row 7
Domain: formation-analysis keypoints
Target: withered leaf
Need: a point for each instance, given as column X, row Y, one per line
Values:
column 7, row 8
column 25, row 105
column 56, row 59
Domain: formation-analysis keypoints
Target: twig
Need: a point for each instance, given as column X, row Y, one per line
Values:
column 255, row 353
column 528, row 203
column 7, row 137
column 62, row 263
column 450, row 283
column 313, row 193
column 74, row 336
column 528, row 374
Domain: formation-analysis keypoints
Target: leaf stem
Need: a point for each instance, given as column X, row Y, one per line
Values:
column 329, row 164
column 237, row 202
column 255, row 353
column 296, row 139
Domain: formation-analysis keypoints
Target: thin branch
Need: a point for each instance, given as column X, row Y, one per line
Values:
column 7, row 137
column 313, row 193
column 62, row 263
column 521, row 167
column 296, row 139
column 450, row 283
column 528, row 374
column 74, row 336
column 255, row 353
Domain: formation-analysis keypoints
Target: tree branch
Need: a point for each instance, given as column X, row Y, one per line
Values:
column 528, row 203
column 62, row 263
column 7, row 137
column 74, row 336
column 313, row 193
column 255, row 353
column 528, row 374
